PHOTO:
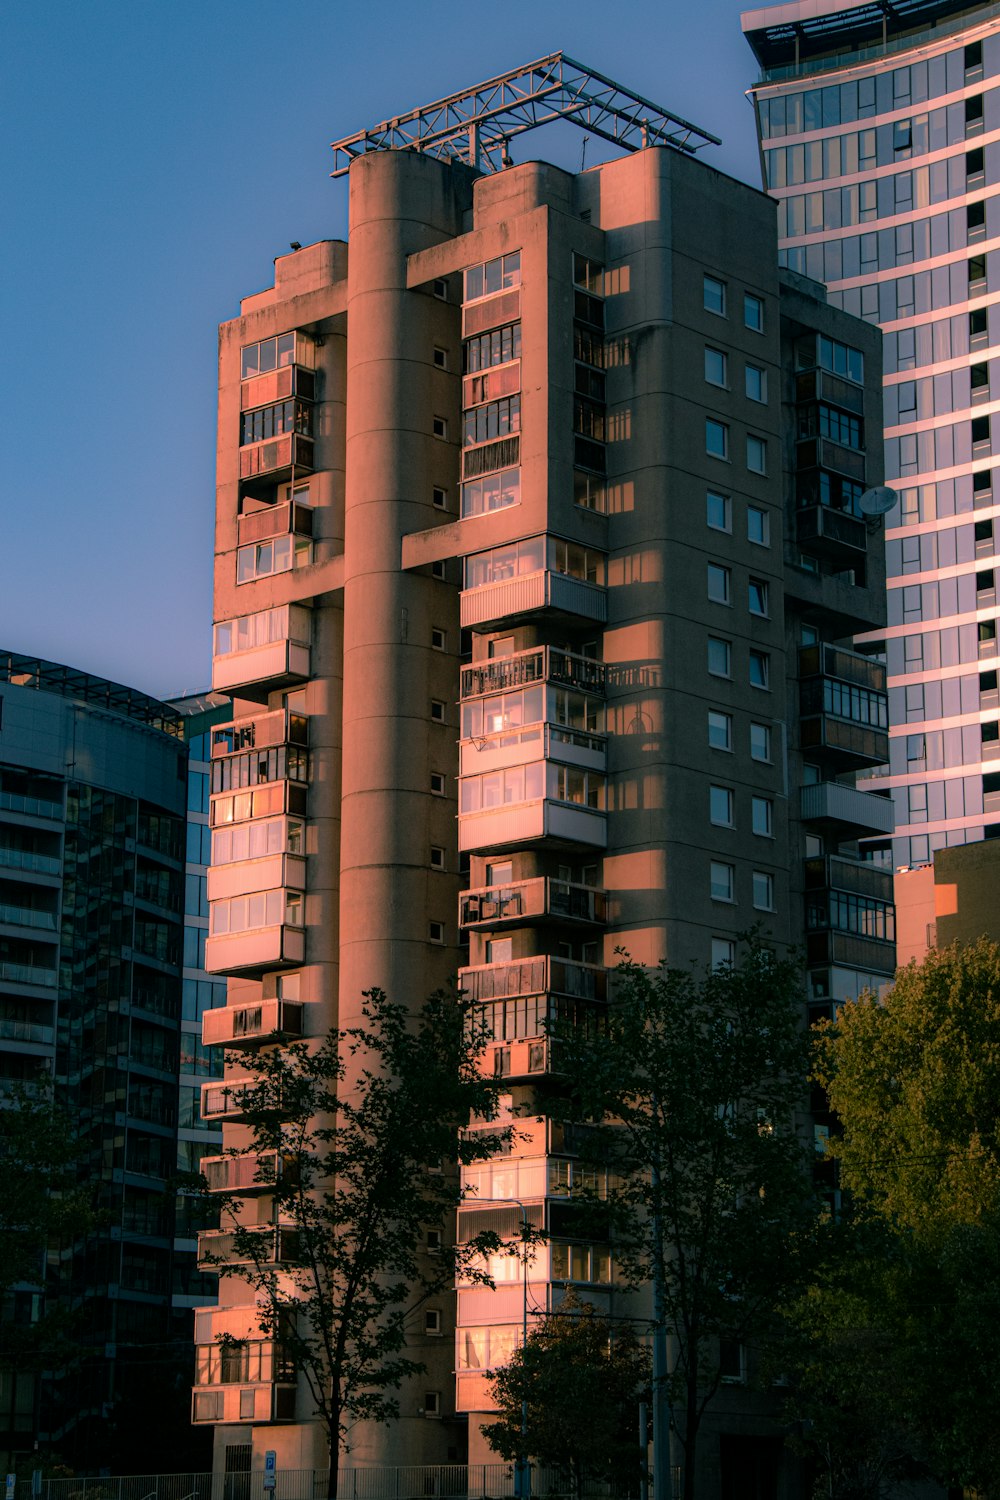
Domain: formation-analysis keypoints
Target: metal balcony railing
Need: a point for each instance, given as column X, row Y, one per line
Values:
column 524, row 900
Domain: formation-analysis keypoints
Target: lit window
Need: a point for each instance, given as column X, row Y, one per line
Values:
column 756, row 454
column 723, row 952
column 720, row 806
column 760, row 669
column 715, row 296
column 718, row 511
column 758, row 597
column 763, row 891
column 753, row 312
column 762, row 811
column 715, row 367
column 723, row 880
column 756, row 383
column 716, row 438
column 720, row 730
column 718, row 583
column 758, row 526
column 719, row 657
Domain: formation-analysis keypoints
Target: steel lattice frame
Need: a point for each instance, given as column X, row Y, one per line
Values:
column 476, row 125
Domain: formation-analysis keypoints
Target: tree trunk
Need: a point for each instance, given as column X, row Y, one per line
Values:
column 333, row 1476
column 690, row 1432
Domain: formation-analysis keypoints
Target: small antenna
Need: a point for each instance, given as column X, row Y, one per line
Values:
column 583, row 153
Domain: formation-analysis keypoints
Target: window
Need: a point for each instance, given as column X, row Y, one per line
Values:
column 432, row 1320
column 437, row 710
column 274, row 354
column 756, row 454
column 484, row 424
column 975, row 220
column 439, row 497
column 723, row 881
column 492, row 492
column 716, row 438
column 439, row 426
column 493, row 276
column 440, row 357
column 278, row 555
column 432, row 1404
column 435, row 932
column 753, row 312
column 756, row 383
column 255, row 911
column 720, row 730
column 763, row 891
column 498, row 347
column 434, row 1240
column 758, row 526
column 720, row 662
column 441, row 289
column 437, row 857
column 284, row 622
column 718, row 511
column 437, row 783
column 760, row 669
column 758, row 598
column 977, row 271
column 720, row 806
column 762, row 810
column 723, row 952
column 714, row 296
column 719, row 582
column 715, row 367
column 438, row 639
column 271, row 421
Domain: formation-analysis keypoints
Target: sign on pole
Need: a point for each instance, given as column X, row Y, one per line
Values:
column 270, row 1469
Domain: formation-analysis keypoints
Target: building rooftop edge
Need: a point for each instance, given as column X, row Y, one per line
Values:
column 71, row 682
column 817, row 32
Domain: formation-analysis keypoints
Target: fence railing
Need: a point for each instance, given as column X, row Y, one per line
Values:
column 404, row 1482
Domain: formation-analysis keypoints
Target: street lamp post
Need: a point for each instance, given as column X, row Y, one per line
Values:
column 522, row 1473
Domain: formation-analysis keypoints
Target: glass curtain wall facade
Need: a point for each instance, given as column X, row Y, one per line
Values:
column 880, row 138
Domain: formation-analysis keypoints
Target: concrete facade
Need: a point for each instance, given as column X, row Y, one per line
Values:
column 954, row 900
column 559, row 667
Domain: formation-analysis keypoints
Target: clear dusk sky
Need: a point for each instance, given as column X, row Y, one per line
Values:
column 158, row 154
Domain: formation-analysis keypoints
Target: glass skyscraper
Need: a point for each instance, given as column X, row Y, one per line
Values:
column 880, row 136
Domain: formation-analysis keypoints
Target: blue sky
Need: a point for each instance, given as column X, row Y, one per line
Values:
column 157, row 155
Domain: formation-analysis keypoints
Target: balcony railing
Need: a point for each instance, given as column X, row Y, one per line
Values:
column 822, row 385
column 277, row 456
column 28, row 974
column 852, row 811
column 229, row 1100
column 267, row 1245
column 259, row 1404
column 823, row 453
column 830, row 533
column 28, row 916
column 251, row 1025
column 253, row 1172
column 528, row 594
column 27, row 860
column 34, row 807
column 26, row 1031
column 253, row 952
column 846, row 666
column 538, row 664
column 275, row 520
column 534, row 976
column 531, row 742
column 850, row 950
column 846, row 743
column 260, row 732
column 857, row 877
column 528, row 824
column 536, row 900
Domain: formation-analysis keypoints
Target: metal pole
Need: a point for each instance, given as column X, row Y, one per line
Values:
column 643, row 1451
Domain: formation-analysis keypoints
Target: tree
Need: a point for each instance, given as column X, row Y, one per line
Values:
column 914, row 1081
column 357, row 1139
column 694, row 1086
column 582, row 1376
column 42, row 1198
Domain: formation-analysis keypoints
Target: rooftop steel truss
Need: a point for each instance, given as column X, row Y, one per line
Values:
column 477, row 125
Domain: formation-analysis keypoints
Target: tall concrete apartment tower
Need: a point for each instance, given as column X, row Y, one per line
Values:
column 533, row 657
column 880, row 138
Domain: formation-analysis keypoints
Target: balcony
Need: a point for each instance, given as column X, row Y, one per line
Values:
column 534, row 976
column 850, row 916
column 823, row 385
column 15, row 973
column 242, row 877
column 538, row 664
column 260, row 1404
column 277, row 458
column 844, row 707
column 855, row 876
column 833, row 534
column 533, row 902
column 226, row 1102
column 522, row 596
column 264, row 1245
column 28, row 862
column 529, row 824
column 278, row 385
column 274, row 520
column 518, row 1062
column 253, row 953
column 260, row 732
column 520, row 746
column 251, row 1025
column 253, row 1172
column 850, row 950
column 848, row 812
column 261, row 653
column 824, row 453
column 29, row 1032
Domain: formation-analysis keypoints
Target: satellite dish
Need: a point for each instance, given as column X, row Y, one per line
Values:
column 877, row 502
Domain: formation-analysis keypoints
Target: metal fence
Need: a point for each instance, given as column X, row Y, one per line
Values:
column 406, row 1482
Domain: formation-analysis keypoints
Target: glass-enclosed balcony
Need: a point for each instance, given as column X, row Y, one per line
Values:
column 278, row 457
column 844, row 707
column 850, row 916
column 526, row 805
column 253, row 1172
column 251, row 933
column 540, row 573
column 267, row 873
column 262, row 652
column 259, row 732
column 531, row 902
column 538, row 664
column 519, row 744
column 251, row 1025
column 243, row 1380
column 273, row 1245
column 523, row 1004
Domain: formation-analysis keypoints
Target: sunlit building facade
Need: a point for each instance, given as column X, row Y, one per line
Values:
column 532, row 658
column 880, row 138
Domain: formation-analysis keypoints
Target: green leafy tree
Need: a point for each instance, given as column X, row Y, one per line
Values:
column 914, row 1081
column 367, row 1127
column 694, row 1087
column 582, row 1376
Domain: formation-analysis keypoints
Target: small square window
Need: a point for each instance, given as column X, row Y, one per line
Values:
column 763, row 891
column 715, row 367
column 439, row 427
column 762, row 816
column 720, row 657
column 439, row 639
column 437, row 710
column 720, row 730
column 760, row 669
column 440, row 357
column 437, row 857
column 756, row 383
column 433, row 1239
column 714, row 296
column 718, row 511
column 756, row 454
column 439, row 497
column 441, row 289
column 439, row 570
column 723, row 881
column 723, row 953
column 437, row 783
column 435, row 932
column 753, row 312
column 720, row 806
column 716, row 438
column 758, row 598
column 432, row 1320
column 760, row 742
column 758, row 526
column 432, row 1404
column 719, row 583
